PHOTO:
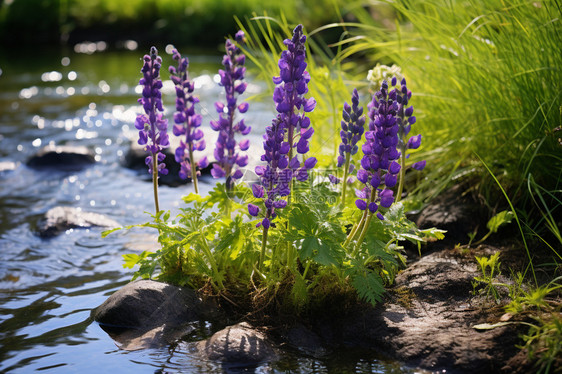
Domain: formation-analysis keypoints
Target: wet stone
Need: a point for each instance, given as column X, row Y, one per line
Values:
column 238, row 345
column 60, row 219
column 147, row 314
column 136, row 156
column 7, row 166
column 65, row 158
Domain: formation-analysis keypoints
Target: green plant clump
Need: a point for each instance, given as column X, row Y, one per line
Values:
column 286, row 242
column 489, row 82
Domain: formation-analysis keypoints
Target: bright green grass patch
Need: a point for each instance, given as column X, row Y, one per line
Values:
column 488, row 80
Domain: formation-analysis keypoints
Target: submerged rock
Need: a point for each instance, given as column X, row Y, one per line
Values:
column 237, row 346
column 65, row 158
column 136, row 155
column 60, row 219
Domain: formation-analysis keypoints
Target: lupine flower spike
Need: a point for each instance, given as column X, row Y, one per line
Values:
column 187, row 122
column 151, row 125
column 379, row 169
column 281, row 166
column 229, row 159
column 352, row 128
column 405, row 120
column 292, row 85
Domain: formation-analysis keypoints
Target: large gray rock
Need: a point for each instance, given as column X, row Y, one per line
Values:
column 60, row 219
column 454, row 211
column 146, row 304
column 65, row 158
column 147, row 314
column 428, row 321
column 238, row 345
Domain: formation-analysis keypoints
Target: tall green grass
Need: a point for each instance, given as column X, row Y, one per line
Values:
column 487, row 79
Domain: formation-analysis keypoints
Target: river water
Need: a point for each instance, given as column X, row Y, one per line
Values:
column 48, row 287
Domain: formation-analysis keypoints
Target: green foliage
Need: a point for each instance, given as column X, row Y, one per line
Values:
column 493, row 225
column 212, row 244
column 543, row 341
column 486, row 79
column 490, row 268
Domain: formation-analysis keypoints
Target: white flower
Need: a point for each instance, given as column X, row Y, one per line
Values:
column 383, row 72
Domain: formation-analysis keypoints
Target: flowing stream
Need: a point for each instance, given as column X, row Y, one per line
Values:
column 48, row 287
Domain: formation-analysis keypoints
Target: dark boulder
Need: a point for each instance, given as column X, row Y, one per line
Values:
column 65, row 158
column 454, row 212
column 135, row 159
column 147, row 304
column 60, row 219
column 148, row 313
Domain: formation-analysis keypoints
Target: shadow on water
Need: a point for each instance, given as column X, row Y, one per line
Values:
column 48, row 287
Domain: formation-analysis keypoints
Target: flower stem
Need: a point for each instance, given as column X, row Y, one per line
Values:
column 363, row 233
column 193, row 170
column 344, row 180
column 155, row 180
column 263, row 246
column 402, row 174
column 356, row 228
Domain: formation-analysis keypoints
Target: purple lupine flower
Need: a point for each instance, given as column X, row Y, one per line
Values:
column 275, row 176
column 379, row 168
column 352, row 128
column 405, row 121
column 229, row 159
column 151, row 125
column 187, row 122
column 292, row 85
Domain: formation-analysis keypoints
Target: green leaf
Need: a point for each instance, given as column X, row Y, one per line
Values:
column 107, row 232
column 395, row 212
column 131, row 260
column 309, row 246
column 500, row 219
column 193, row 197
column 433, row 233
column 369, row 286
column 326, row 254
column 299, row 291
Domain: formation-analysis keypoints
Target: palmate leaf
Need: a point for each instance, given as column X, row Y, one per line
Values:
column 323, row 252
column 503, row 217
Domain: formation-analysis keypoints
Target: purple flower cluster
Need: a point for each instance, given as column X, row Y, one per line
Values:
column 405, row 122
column 187, row 122
column 292, row 85
column 281, row 167
column 151, row 125
column 378, row 165
column 232, row 80
column 352, row 128
column 275, row 177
